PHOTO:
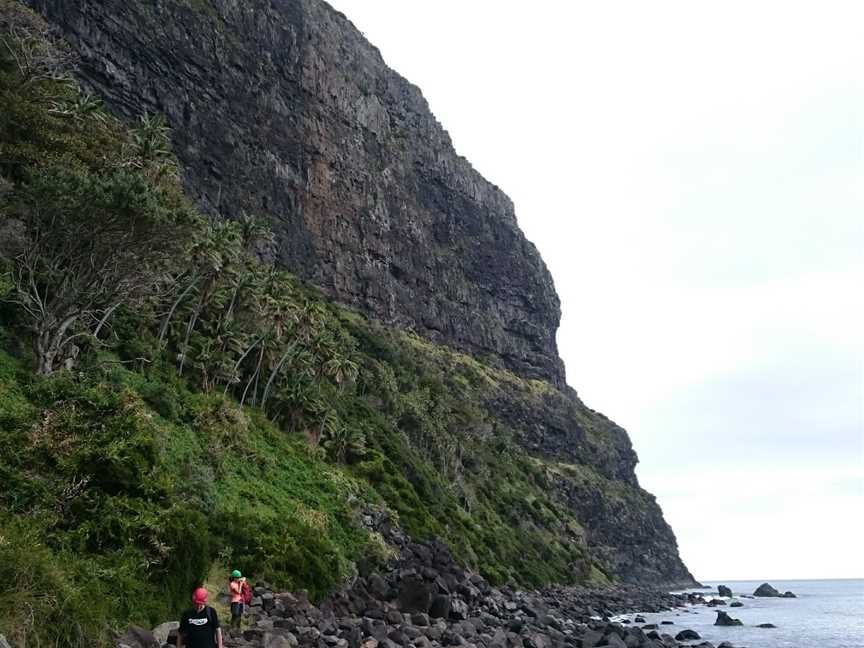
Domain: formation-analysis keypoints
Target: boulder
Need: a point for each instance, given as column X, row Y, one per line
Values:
column 136, row 637
column 687, row 635
column 440, row 607
column 458, row 609
column 420, row 619
column 722, row 590
column 736, row 604
column 378, row 587
column 766, row 625
column 172, row 636
column 788, row 594
column 766, row 590
column 591, row 638
column 410, row 631
column 614, row 641
column 668, row 641
column 724, row 619
column 277, row 641
column 267, row 601
column 515, row 625
column 414, row 595
column 163, row 631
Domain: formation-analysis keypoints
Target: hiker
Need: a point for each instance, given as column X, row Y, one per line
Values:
column 199, row 626
column 239, row 591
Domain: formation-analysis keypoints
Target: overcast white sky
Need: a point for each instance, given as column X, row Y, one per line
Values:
column 693, row 174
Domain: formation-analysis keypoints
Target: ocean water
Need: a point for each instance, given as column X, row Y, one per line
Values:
column 826, row 614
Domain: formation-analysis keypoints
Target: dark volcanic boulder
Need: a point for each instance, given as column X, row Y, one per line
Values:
column 722, row 590
column 766, row 590
column 788, row 594
column 724, row 619
column 766, row 625
column 687, row 635
column 440, row 608
column 414, row 595
column 736, row 604
column 163, row 631
column 136, row 637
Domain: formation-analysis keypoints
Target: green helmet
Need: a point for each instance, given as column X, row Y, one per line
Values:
column 236, row 574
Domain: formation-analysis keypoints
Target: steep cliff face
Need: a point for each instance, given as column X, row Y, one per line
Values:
column 281, row 108
column 590, row 463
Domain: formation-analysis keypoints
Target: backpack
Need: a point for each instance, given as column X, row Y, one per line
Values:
column 246, row 593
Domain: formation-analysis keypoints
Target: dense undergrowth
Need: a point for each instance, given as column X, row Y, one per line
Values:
column 218, row 411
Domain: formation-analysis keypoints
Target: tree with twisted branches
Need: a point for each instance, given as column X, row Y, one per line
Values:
column 84, row 244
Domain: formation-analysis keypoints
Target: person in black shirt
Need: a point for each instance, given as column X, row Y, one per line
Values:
column 199, row 626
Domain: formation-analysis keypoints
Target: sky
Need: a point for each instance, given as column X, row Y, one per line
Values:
column 693, row 174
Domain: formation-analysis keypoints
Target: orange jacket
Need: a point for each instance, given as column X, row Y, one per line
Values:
column 236, row 591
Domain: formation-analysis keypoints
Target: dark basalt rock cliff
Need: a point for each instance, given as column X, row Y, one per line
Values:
column 281, row 108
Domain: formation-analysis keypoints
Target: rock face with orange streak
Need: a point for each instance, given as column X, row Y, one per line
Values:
column 283, row 109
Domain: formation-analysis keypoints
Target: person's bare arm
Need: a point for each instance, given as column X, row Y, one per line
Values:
column 180, row 640
column 219, row 638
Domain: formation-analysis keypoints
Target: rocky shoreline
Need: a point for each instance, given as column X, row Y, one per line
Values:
column 426, row 600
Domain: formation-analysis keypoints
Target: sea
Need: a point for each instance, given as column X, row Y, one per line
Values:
column 826, row 614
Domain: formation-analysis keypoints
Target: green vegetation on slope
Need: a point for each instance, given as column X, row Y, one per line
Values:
column 131, row 485
column 213, row 410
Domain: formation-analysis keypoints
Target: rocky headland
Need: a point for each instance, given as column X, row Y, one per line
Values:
column 283, row 109
column 381, row 339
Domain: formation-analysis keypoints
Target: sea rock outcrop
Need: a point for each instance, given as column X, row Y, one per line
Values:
column 723, row 619
column 766, row 590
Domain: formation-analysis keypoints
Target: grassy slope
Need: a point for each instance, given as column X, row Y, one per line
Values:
column 123, row 487
column 134, row 484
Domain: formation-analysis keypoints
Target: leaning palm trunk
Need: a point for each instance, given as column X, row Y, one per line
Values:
column 275, row 372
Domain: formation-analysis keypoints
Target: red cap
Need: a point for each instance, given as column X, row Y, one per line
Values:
column 199, row 596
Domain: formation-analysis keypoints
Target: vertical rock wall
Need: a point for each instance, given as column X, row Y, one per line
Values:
column 281, row 108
